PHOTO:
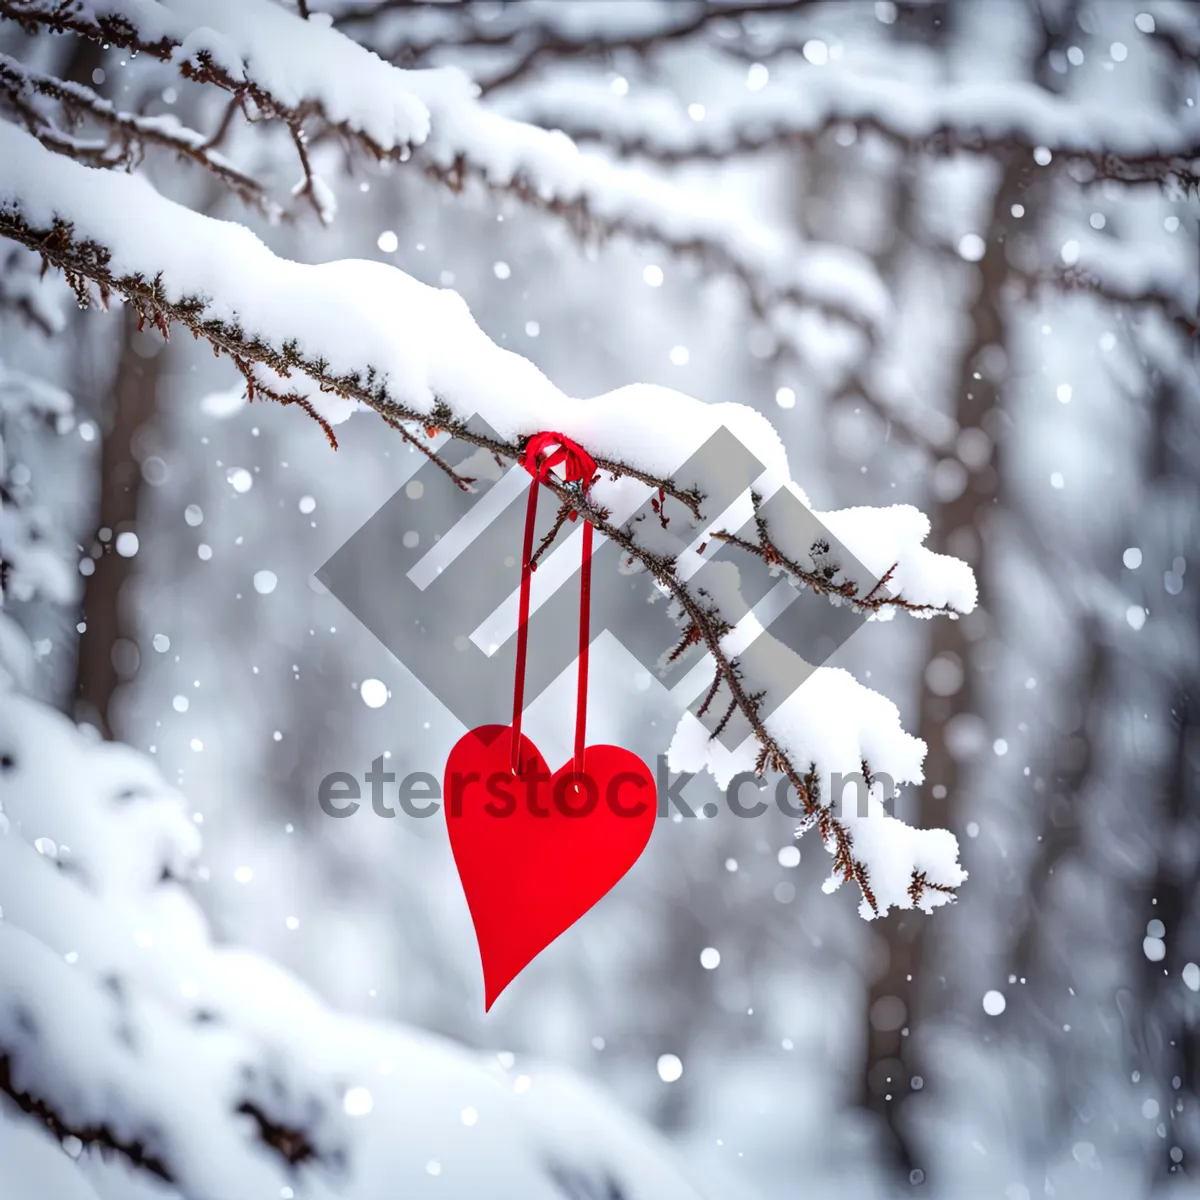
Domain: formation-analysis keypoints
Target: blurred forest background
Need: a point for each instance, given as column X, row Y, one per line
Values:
column 1033, row 387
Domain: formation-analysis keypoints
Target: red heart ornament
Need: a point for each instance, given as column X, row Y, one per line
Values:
column 535, row 851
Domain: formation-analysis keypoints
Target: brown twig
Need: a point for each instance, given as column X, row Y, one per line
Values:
column 711, row 694
column 543, row 41
column 86, row 263
column 226, row 123
column 309, row 187
column 921, row 883
column 588, row 225
column 128, row 133
column 882, row 582
column 546, row 42
column 757, row 134
column 462, row 482
column 691, row 635
column 724, row 721
column 292, row 1144
column 1081, row 279
column 578, row 213
column 822, row 580
column 132, row 1150
column 566, row 512
column 255, row 387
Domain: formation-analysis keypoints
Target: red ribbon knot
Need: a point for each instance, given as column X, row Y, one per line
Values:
column 545, row 451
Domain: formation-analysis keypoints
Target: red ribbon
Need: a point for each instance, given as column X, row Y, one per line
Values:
column 543, row 452
column 580, row 465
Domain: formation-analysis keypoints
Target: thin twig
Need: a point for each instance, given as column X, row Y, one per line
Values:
column 462, row 482
column 822, row 580
column 578, row 212
column 309, row 186
column 756, row 134
column 226, row 123
column 128, row 133
column 544, row 41
column 565, row 513
column 292, row 1144
column 85, row 263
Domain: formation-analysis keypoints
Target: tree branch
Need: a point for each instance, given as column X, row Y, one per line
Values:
column 822, row 579
column 85, row 262
column 292, row 1144
column 1085, row 279
column 863, row 106
column 595, row 199
column 132, row 1151
column 545, row 41
column 310, row 186
column 128, row 134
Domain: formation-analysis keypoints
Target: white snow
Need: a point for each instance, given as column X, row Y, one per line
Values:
column 299, row 64
column 35, row 558
column 913, row 110
column 106, row 966
column 670, row 1068
column 417, row 344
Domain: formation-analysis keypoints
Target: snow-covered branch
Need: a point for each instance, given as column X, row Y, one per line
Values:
column 1162, row 294
column 32, row 552
column 766, row 546
column 1143, row 277
column 535, row 43
column 1173, row 26
column 993, row 119
column 128, row 134
column 126, row 1033
column 337, row 336
column 305, row 73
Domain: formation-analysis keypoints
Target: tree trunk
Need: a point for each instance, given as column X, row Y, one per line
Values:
column 108, row 652
column 891, row 1061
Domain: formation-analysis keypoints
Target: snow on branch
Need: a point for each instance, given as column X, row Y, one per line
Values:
column 336, row 336
column 1173, row 26
column 974, row 118
column 33, row 556
column 766, row 546
column 1141, row 277
column 127, row 1034
column 127, row 135
column 307, row 73
column 596, row 34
